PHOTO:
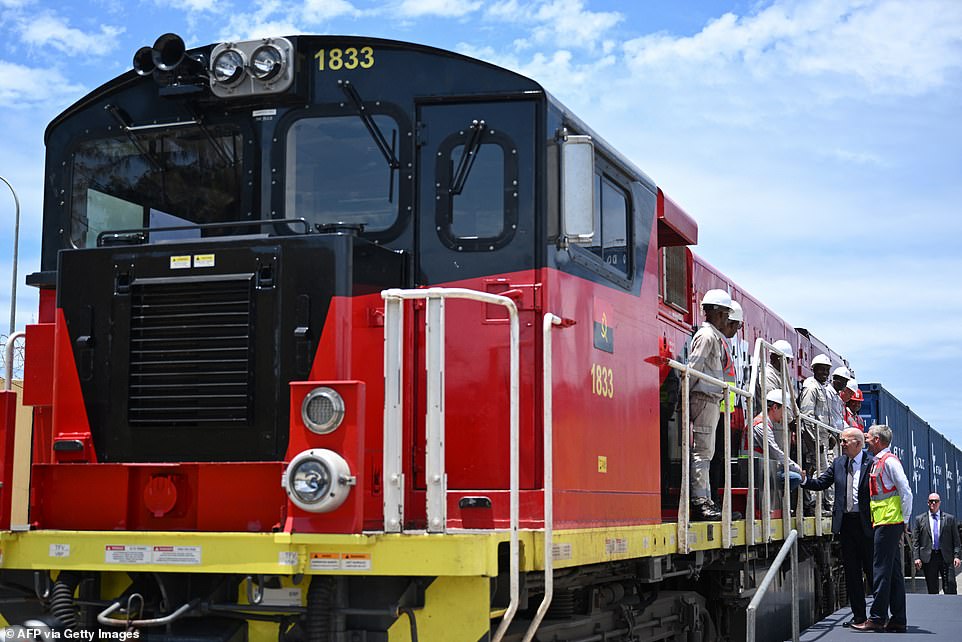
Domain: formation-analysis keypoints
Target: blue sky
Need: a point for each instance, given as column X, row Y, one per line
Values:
column 817, row 142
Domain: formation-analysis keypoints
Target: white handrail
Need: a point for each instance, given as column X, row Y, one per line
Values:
column 684, row 491
column 8, row 359
column 549, row 321
column 435, row 465
column 789, row 546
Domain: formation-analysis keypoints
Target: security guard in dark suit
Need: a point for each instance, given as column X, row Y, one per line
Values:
column 851, row 517
column 936, row 547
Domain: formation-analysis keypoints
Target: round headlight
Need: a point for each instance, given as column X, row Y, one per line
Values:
column 322, row 410
column 318, row 480
column 266, row 62
column 310, row 480
column 228, row 67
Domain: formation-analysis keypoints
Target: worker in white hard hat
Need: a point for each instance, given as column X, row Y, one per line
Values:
column 773, row 377
column 710, row 355
column 736, row 320
column 814, row 403
column 833, row 392
column 774, row 400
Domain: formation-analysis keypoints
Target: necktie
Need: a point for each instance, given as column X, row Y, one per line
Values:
column 850, row 481
column 935, row 532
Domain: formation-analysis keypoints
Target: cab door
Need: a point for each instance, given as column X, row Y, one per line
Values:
column 475, row 229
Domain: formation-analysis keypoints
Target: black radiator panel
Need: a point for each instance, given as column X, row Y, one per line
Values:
column 193, row 364
column 191, row 351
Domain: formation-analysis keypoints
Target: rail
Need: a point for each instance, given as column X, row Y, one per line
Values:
column 435, row 475
column 684, row 492
column 549, row 322
column 8, row 359
column 790, row 545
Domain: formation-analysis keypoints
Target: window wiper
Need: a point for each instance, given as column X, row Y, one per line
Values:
column 373, row 129
column 131, row 132
column 199, row 121
column 468, row 156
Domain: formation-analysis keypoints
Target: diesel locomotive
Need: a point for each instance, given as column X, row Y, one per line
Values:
column 349, row 339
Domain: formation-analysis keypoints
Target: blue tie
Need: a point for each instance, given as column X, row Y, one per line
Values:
column 935, row 534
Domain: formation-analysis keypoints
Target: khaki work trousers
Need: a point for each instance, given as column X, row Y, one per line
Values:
column 704, row 412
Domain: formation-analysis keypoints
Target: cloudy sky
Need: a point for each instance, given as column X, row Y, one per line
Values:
column 817, row 142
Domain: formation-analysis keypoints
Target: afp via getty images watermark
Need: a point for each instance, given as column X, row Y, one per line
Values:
column 42, row 635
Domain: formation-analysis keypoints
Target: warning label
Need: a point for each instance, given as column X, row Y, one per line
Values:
column 127, row 554
column 340, row 562
column 173, row 555
column 176, row 555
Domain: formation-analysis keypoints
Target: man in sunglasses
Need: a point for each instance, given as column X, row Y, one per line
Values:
column 851, row 515
column 937, row 547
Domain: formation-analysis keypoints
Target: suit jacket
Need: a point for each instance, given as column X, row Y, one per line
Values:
column 949, row 544
column 837, row 474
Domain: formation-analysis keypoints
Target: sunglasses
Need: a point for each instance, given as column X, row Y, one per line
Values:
column 934, row 501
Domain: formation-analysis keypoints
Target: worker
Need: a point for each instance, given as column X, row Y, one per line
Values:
column 710, row 355
column 852, row 418
column 834, row 391
column 736, row 320
column 814, row 403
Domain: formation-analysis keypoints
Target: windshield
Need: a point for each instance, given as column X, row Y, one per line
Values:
column 168, row 177
column 337, row 174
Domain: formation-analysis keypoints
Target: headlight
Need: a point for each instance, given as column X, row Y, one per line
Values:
column 322, row 410
column 318, row 480
column 266, row 62
column 228, row 67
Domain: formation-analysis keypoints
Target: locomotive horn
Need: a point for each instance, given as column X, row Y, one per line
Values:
column 144, row 61
column 168, row 51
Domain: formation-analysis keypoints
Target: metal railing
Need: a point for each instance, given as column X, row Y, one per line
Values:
column 760, row 363
column 684, row 492
column 790, row 545
column 548, row 324
column 435, row 474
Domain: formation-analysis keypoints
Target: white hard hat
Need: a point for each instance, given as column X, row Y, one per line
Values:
column 821, row 360
column 852, row 385
column 717, row 297
column 775, row 396
column 736, row 313
column 842, row 372
column 784, row 347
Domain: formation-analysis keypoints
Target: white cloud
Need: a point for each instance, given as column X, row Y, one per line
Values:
column 320, row 10
column 886, row 46
column 24, row 87
column 197, row 6
column 49, row 30
column 564, row 23
column 443, row 8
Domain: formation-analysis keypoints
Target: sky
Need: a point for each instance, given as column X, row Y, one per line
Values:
column 818, row 143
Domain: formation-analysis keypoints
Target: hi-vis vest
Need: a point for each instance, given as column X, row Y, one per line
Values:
column 886, row 503
column 728, row 376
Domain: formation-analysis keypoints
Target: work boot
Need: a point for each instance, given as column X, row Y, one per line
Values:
column 703, row 510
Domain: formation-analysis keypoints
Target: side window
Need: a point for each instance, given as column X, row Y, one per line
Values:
column 611, row 213
column 674, row 277
column 476, row 190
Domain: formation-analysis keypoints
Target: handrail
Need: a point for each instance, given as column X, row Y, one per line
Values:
column 8, row 359
column 684, row 491
column 434, row 422
column 790, row 544
column 549, row 321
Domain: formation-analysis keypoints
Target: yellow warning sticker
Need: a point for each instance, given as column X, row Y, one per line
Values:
column 203, row 260
column 179, row 262
column 340, row 562
column 602, row 464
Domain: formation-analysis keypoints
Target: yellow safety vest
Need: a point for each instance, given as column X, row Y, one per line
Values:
column 728, row 375
column 885, row 502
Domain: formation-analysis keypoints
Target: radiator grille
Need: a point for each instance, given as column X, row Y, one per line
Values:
column 191, row 352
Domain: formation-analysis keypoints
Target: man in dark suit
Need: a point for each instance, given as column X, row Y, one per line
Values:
column 937, row 548
column 851, row 516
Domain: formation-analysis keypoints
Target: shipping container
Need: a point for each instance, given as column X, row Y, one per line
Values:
column 952, row 461
column 937, row 468
column 910, row 438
